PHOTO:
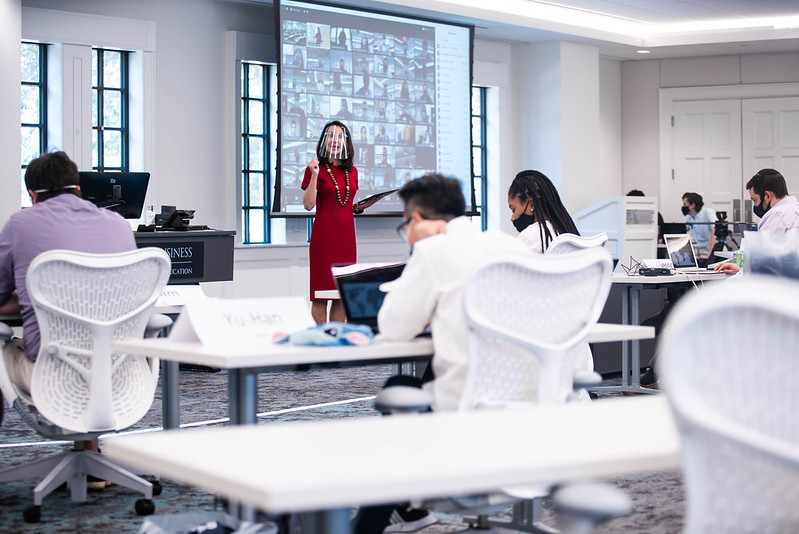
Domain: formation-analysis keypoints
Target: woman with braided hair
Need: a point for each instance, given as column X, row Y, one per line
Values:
column 537, row 211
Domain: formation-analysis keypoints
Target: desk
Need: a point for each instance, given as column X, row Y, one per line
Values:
column 283, row 468
column 630, row 349
column 245, row 361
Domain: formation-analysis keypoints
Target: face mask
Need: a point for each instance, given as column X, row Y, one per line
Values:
column 686, row 210
column 523, row 221
column 760, row 210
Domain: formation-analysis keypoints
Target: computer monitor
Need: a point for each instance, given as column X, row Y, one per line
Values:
column 122, row 192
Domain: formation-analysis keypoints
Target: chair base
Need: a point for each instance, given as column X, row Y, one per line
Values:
column 525, row 517
column 73, row 467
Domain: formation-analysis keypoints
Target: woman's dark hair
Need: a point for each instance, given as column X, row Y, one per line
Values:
column 52, row 174
column 547, row 206
column 346, row 163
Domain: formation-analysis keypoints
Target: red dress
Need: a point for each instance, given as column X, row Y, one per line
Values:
column 333, row 231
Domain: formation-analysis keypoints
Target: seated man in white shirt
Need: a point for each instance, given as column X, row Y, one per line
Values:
column 446, row 245
column 778, row 211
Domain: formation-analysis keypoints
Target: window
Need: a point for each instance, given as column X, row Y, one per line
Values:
column 110, row 145
column 258, row 120
column 479, row 153
column 33, row 108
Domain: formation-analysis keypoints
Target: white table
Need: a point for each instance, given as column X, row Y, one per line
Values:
column 336, row 464
column 246, row 360
column 630, row 303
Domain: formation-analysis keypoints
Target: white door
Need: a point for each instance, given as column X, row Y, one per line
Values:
column 706, row 156
column 771, row 139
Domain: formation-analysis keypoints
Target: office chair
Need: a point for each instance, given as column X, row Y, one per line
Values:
column 80, row 388
column 565, row 243
column 727, row 362
column 526, row 318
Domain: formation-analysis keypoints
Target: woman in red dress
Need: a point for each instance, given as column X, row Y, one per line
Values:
column 331, row 192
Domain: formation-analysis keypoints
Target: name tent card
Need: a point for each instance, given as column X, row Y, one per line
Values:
column 180, row 295
column 226, row 321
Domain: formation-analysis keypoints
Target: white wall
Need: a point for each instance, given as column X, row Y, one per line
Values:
column 191, row 151
column 642, row 81
column 10, row 140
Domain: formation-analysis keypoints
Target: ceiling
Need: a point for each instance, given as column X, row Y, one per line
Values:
column 667, row 28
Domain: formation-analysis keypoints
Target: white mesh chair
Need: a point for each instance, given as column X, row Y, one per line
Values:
column 526, row 315
column 727, row 363
column 80, row 388
column 565, row 243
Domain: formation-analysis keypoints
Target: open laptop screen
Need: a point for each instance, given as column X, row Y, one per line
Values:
column 359, row 290
column 681, row 251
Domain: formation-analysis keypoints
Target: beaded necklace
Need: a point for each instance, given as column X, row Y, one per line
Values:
column 338, row 191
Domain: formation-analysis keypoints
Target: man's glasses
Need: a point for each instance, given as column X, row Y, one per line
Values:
column 401, row 228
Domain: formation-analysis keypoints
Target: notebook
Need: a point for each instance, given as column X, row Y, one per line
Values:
column 359, row 289
column 681, row 253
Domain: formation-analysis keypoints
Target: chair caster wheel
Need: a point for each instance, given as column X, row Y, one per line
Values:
column 32, row 513
column 145, row 507
column 158, row 488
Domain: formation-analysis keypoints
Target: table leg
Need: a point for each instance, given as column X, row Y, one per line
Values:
column 243, row 395
column 635, row 296
column 170, row 394
column 625, row 345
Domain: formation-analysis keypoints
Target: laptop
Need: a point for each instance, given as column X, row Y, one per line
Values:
column 359, row 289
column 681, row 253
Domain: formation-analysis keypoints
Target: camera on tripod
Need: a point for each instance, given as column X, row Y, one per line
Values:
column 721, row 228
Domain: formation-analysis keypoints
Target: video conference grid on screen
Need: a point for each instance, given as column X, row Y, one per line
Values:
column 379, row 77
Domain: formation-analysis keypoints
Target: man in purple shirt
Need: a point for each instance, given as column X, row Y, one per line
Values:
column 58, row 219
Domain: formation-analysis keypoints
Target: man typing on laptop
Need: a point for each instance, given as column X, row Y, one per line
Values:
column 778, row 211
column 445, row 247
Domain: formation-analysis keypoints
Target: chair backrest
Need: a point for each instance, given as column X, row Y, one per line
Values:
column 565, row 243
column 83, row 302
column 727, row 362
column 525, row 317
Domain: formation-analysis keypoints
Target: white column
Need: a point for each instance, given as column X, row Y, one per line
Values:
column 10, row 139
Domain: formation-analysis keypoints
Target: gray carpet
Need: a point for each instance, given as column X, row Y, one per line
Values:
column 658, row 497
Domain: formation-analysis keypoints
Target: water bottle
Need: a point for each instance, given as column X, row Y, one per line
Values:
column 149, row 216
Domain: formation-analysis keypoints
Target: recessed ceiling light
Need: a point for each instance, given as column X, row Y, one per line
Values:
column 643, row 51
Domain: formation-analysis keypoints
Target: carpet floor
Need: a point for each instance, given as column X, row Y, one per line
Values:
column 287, row 396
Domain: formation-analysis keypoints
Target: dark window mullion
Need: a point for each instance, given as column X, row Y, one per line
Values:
column 480, row 115
column 249, row 209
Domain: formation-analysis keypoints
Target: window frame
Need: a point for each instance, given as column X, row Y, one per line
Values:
column 247, row 207
column 480, row 169
column 98, row 97
column 41, row 126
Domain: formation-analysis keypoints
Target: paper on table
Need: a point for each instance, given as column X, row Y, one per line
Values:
column 180, row 295
column 226, row 321
column 343, row 270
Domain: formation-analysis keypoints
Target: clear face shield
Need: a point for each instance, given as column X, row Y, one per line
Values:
column 334, row 144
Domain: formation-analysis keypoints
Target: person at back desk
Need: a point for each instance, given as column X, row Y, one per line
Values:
column 778, row 211
column 58, row 219
column 445, row 247
column 704, row 235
